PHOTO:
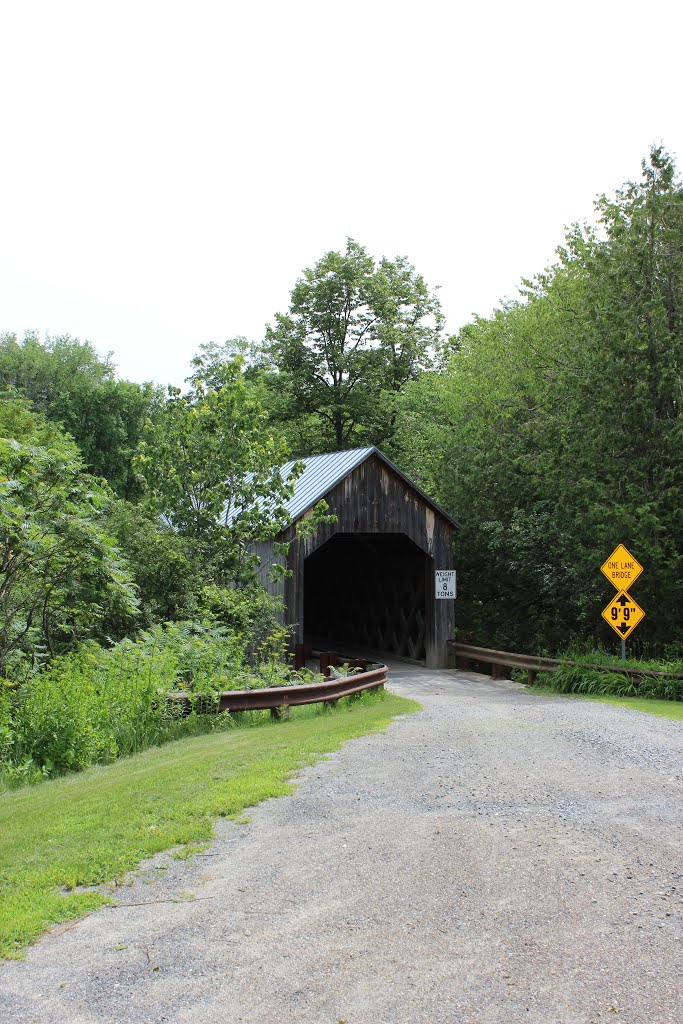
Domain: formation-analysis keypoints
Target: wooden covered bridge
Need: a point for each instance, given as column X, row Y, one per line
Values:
column 368, row 579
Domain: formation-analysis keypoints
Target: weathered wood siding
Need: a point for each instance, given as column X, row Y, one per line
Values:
column 265, row 553
column 373, row 499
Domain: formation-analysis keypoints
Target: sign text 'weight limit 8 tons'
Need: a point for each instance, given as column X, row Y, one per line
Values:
column 445, row 585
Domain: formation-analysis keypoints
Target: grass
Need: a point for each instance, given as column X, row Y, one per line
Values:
column 89, row 828
column 585, row 680
column 672, row 709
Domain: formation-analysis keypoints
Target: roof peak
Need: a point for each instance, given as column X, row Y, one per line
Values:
column 323, row 471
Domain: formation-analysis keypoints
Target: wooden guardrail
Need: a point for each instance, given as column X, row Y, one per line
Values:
column 276, row 698
column 533, row 664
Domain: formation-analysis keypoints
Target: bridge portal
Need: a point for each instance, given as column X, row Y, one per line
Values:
column 367, row 580
column 367, row 591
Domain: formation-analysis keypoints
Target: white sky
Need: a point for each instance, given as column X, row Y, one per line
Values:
column 168, row 169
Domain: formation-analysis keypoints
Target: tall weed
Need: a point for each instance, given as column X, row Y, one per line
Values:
column 97, row 704
column 586, row 679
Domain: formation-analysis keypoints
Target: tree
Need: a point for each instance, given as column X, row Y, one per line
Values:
column 554, row 431
column 68, row 382
column 355, row 333
column 169, row 581
column 61, row 578
column 211, row 469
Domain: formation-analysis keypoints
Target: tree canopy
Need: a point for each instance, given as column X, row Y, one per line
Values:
column 61, row 578
column 553, row 430
column 68, row 382
column 356, row 331
column 212, row 468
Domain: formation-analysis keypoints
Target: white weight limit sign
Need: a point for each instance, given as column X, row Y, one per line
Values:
column 445, row 584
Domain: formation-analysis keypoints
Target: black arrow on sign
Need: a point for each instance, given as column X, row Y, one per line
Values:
column 623, row 600
column 623, row 628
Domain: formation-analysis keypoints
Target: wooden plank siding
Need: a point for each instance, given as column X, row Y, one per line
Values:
column 374, row 500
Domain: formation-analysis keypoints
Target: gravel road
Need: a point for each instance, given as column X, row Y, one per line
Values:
column 497, row 857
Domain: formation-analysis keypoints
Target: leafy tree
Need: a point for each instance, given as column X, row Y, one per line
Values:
column 67, row 381
column 354, row 334
column 210, row 466
column 61, row 578
column 169, row 581
column 554, row 431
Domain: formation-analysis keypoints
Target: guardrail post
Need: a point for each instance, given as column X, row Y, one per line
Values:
column 280, row 712
column 327, row 658
column 530, row 677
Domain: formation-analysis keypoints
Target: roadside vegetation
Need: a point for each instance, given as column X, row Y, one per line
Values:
column 664, row 683
column 93, row 827
column 108, row 605
column 97, row 704
column 658, row 689
column 551, row 428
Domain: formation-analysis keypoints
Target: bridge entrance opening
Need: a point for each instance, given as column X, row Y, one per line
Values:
column 367, row 591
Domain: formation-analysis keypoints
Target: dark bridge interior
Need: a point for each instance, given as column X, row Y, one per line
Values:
column 367, row 591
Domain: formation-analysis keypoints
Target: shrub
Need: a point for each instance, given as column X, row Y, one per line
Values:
column 585, row 678
column 97, row 704
column 91, row 707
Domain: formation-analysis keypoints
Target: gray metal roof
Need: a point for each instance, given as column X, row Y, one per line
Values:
column 322, row 472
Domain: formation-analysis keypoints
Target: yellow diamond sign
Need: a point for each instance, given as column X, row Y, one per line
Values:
column 621, row 568
column 623, row 614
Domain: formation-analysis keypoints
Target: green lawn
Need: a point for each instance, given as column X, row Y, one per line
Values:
column 662, row 708
column 95, row 826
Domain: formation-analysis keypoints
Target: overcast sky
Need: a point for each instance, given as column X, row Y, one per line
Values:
column 168, row 169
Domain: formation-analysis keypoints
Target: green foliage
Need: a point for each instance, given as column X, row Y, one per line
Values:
column 355, row 333
column 67, row 381
column 174, row 586
column 248, row 611
column 582, row 678
column 61, row 578
column 64, row 581
column 210, row 467
column 168, row 579
column 96, row 704
column 89, row 708
column 553, row 432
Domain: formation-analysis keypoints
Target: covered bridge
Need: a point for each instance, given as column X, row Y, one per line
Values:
column 368, row 580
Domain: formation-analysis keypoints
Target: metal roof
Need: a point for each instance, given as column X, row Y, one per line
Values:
column 323, row 472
